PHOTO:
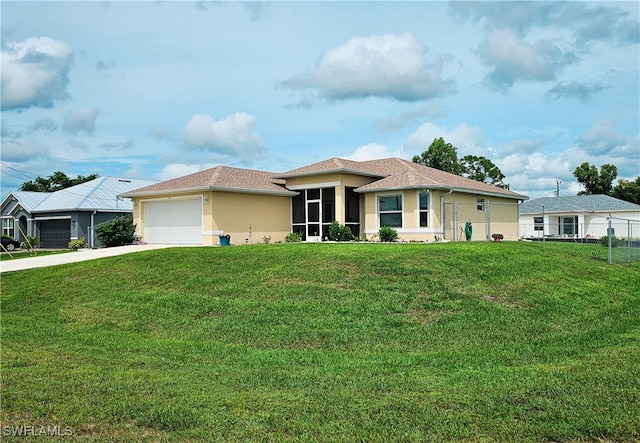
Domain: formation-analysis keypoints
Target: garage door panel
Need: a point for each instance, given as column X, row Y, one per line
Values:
column 55, row 233
column 173, row 222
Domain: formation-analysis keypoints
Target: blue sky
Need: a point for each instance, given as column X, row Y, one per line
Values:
column 156, row 90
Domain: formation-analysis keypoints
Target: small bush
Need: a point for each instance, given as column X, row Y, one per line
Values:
column 615, row 241
column 116, row 232
column 78, row 244
column 338, row 232
column 30, row 242
column 293, row 237
column 387, row 234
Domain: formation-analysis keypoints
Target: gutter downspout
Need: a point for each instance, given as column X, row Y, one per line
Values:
column 442, row 211
column 92, row 230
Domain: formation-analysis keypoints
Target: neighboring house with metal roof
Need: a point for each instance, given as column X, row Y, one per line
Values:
column 579, row 216
column 421, row 203
column 56, row 218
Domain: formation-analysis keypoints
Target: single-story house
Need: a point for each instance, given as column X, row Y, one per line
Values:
column 579, row 216
column 421, row 203
column 56, row 218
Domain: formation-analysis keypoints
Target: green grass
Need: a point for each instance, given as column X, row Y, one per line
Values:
column 21, row 253
column 327, row 342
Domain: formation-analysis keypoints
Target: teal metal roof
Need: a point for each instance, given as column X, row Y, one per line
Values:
column 577, row 203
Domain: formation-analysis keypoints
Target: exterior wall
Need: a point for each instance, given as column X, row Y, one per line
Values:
column 249, row 218
column 411, row 229
column 499, row 215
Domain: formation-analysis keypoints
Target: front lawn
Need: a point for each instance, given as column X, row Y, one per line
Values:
column 23, row 253
column 326, row 342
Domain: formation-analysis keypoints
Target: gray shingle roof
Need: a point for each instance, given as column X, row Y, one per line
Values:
column 577, row 203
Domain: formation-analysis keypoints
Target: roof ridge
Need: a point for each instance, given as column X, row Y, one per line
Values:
column 99, row 180
column 216, row 174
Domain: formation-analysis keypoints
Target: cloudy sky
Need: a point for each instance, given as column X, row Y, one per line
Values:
column 155, row 90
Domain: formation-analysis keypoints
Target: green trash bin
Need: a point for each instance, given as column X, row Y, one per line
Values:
column 225, row 240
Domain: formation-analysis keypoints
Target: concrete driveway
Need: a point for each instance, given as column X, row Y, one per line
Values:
column 72, row 257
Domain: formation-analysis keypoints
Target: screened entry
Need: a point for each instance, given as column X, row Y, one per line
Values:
column 313, row 210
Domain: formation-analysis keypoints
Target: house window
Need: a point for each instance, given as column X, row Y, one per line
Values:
column 7, row 227
column 423, row 209
column 538, row 223
column 480, row 204
column 390, row 210
column 570, row 225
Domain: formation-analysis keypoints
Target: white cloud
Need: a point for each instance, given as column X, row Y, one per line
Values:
column 22, row 149
column 601, row 139
column 374, row 151
column 231, row 136
column 432, row 110
column 46, row 124
column 467, row 139
column 80, row 120
column 513, row 59
column 523, row 146
column 35, row 73
column 387, row 66
column 175, row 170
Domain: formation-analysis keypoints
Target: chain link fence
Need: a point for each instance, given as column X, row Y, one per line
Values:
column 614, row 239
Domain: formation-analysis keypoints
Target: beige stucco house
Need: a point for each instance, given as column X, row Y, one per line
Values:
column 421, row 203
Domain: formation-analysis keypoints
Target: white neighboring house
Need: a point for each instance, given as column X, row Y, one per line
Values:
column 579, row 216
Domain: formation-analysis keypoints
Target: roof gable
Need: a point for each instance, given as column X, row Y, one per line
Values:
column 28, row 200
column 577, row 203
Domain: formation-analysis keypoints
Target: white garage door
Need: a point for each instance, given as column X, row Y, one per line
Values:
column 173, row 222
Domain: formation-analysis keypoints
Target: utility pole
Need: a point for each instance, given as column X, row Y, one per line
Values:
column 558, row 183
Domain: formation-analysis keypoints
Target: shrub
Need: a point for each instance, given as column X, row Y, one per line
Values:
column 615, row 241
column 116, row 232
column 338, row 232
column 30, row 242
column 293, row 237
column 78, row 244
column 387, row 234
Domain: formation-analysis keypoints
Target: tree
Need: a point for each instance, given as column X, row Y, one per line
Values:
column 482, row 169
column 440, row 155
column 594, row 182
column 55, row 182
column 627, row 190
column 444, row 156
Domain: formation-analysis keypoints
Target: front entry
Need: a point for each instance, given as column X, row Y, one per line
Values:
column 313, row 221
column 313, row 211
